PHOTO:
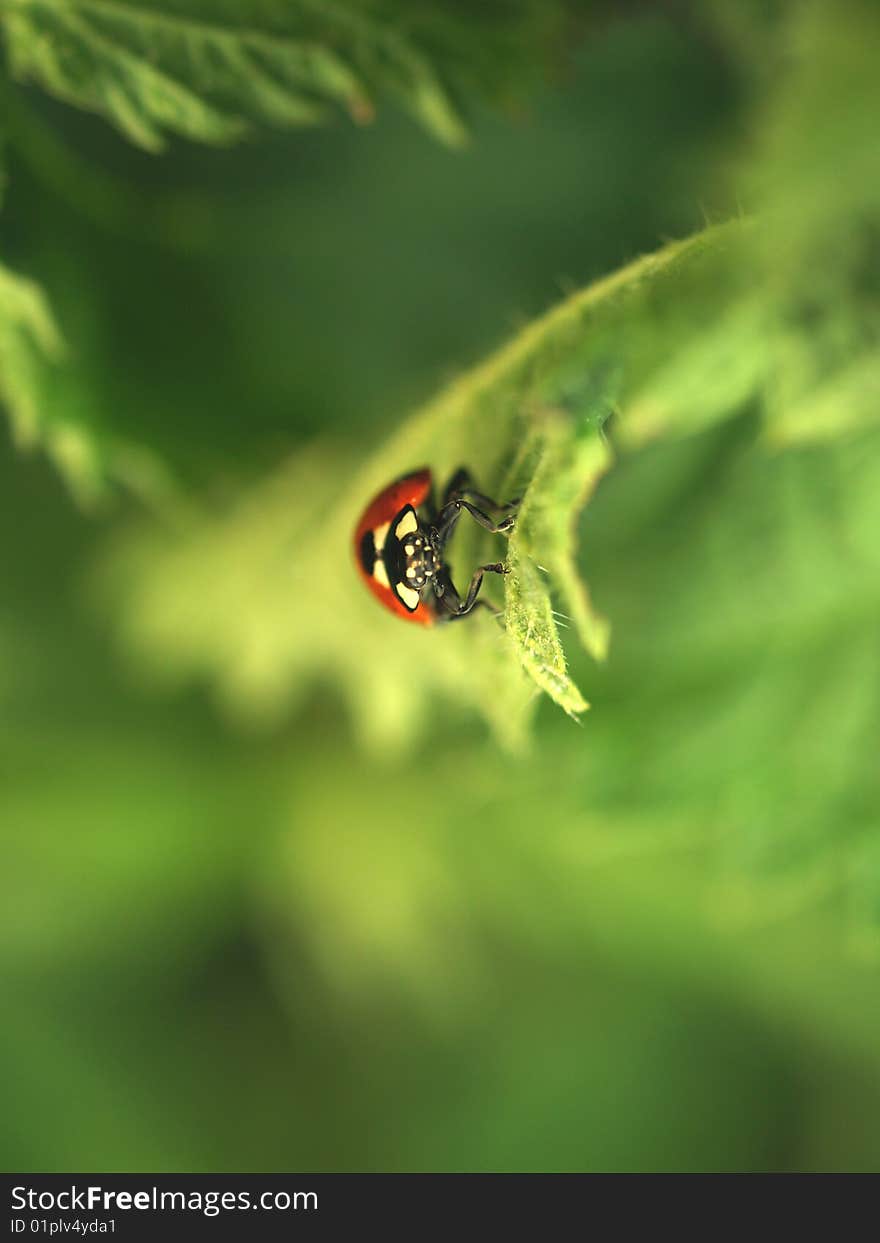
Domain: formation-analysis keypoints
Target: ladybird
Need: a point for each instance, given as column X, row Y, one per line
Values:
column 400, row 543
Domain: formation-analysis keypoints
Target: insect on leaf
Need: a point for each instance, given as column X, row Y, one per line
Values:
column 263, row 599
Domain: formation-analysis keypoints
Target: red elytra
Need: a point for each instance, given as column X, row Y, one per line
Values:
column 413, row 490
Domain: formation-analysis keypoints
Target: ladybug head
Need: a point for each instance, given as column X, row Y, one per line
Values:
column 410, row 556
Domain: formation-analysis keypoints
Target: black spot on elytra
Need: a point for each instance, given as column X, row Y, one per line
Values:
column 368, row 552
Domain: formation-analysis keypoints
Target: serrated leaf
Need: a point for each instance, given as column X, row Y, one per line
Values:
column 30, row 343
column 531, row 624
column 27, row 333
column 49, row 410
column 672, row 344
column 264, row 599
column 564, row 478
column 208, row 71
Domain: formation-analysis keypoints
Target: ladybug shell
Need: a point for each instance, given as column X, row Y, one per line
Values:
column 412, row 490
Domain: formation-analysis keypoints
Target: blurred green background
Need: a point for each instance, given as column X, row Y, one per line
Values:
column 649, row 941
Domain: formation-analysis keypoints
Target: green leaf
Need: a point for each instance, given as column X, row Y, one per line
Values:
column 543, row 555
column 208, row 71
column 818, row 178
column 744, row 588
column 51, row 409
column 262, row 599
column 672, row 344
column 738, row 317
column 797, row 318
column 29, row 344
column 28, row 334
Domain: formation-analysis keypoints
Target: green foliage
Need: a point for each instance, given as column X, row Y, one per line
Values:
column 671, row 344
column 27, row 331
column 651, row 940
column 208, row 71
column 274, row 570
column 50, row 408
column 819, row 177
column 803, row 329
column 213, row 72
column 741, row 695
column 29, row 344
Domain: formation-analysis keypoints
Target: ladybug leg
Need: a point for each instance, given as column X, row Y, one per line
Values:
column 452, row 602
column 461, row 484
column 451, row 512
column 454, row 502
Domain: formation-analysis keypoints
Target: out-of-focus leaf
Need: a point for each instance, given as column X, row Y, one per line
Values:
column 208, row 70
column 743, row 689
column 29, row 344
column 27, row 333
column 115, row 852
column 49, row 408
column 799, row 325
column 818, row 179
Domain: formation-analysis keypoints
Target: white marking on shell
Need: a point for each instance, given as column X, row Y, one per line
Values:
column 408, row 523
column 409, row 597
column 381, row 574
column 379, row 536
column 411, row 571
